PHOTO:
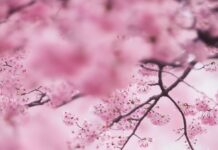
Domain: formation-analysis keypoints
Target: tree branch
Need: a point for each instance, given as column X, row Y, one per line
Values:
column 184, row 122
column 182, row 77
column 159, row 63
column 42, row 102
column 138, row 123
column 117, row 119
column 156, row 98
column 38, row 102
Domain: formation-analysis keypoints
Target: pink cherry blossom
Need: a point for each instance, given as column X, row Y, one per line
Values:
column 194, row 130
column 108, row 74
column 201, row 105
column 188, row 109
column 209, row 117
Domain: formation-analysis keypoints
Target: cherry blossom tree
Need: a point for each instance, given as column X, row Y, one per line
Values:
column 108, row 74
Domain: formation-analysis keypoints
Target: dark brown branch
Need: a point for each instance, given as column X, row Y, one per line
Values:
column 184, row 122
column 6, row 64
column 156, row 99
column 117, row 119
column 41, row 100
column 38, row 102
column 160, row 80
column 139, row 137
column 37, row 89
column 153, row 84
column 180, row 137
column 159, row 63
column 185, row 82
column 182, row 77
column 138, row 123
